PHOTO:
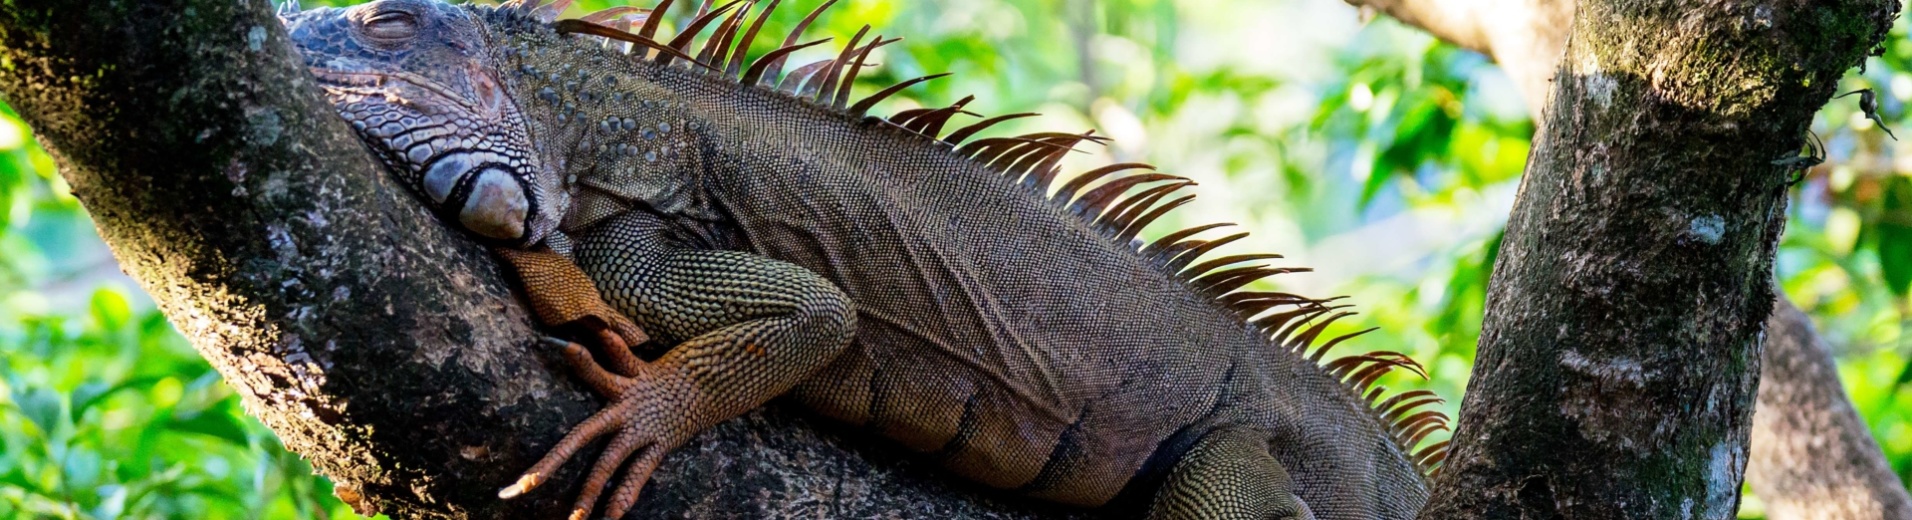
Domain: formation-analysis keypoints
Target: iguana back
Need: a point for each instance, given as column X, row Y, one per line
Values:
column 1083, row 357
column 1000, row 320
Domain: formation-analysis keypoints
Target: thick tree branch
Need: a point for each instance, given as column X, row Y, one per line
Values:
column 1619, row 354
column 376, row 343
column 1812, row 456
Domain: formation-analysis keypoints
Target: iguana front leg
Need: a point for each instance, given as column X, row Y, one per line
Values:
column 750, row 329
column 562, row 295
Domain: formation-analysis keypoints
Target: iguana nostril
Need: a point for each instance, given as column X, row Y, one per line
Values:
column 496, row 207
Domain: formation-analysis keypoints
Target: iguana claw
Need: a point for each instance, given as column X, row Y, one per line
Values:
column 645, row 428
column 524, row 483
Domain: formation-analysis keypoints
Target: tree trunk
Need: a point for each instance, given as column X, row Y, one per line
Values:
column 1812, row 456
column 375, row 342
column 1620, row 350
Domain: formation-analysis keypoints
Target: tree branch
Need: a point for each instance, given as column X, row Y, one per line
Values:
column 1524, row 36
column 1812, row 455
column 374, row 341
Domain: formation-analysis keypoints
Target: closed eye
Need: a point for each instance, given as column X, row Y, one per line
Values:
column 392, row 26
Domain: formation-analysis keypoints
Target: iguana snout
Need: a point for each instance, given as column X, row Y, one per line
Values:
column 415, row 79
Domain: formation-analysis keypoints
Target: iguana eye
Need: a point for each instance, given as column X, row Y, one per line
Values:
column 391, row 25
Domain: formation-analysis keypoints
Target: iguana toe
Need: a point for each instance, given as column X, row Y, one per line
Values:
column 650, row 417
column 634, row 479
column 607, row 384
column 614, row 455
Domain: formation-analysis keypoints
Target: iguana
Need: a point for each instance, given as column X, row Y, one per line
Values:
column 957, row 296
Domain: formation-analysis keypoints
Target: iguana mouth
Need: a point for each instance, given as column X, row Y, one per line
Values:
column 383, row 83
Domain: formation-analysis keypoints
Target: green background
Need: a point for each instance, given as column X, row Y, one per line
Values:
column 1384, row 159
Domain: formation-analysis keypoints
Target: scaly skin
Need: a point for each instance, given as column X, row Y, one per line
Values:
column 949, row 299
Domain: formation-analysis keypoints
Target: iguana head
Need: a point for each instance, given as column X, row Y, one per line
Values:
column 416, row 79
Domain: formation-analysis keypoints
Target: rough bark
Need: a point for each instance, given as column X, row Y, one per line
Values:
column 1812, row 456
column 374, row 341
column 1619, row 356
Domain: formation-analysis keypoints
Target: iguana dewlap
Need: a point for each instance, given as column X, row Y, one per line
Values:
column 948, row 293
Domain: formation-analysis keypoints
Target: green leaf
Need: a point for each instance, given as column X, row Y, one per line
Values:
column 110, row 309
column 16, row 478
column 1894, row 234
column 1378, row 178
column 215, row 422
column 87, row 394
column 44, row 407
column 81, row 468
column 90, row 394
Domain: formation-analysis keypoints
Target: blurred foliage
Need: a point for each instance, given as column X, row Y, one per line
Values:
column 105, row 411
column 1370, row 151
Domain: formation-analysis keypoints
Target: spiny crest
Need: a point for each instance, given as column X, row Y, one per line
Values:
column 1119, row 200
column 825, row 82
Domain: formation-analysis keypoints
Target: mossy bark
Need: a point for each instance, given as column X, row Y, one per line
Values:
column 374, row 341
column 1620, row 351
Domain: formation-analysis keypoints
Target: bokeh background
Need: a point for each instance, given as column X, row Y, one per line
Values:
column 1382, row 158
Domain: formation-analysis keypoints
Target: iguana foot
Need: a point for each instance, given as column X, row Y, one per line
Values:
column 650, row 416
column 562, row 295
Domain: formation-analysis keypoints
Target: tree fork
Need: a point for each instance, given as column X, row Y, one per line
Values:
column 1620, row 350
column 374, row 341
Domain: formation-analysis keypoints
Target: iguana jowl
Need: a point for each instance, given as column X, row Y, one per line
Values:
column 951, row 294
